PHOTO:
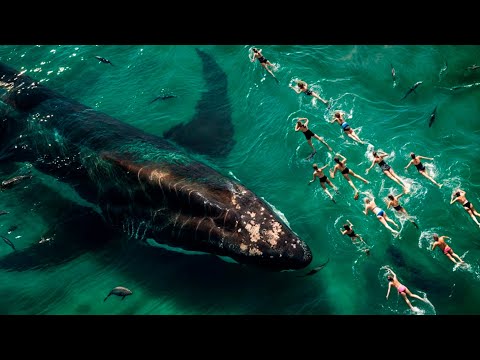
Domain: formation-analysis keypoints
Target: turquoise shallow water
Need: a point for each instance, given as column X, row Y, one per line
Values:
column 269, row 158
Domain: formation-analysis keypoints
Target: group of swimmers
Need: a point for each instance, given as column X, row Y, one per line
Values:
column 370, row 205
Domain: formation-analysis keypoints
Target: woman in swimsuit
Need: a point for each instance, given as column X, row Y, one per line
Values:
column 348, row 230
column 387, row 169
column 447, row 250
column 303, row 127
column 257, row 54
column 402, row 290
column 459, row 196
column 393, row 202
column 381, row 215
column 303, row 87
column 318, row 172
column 342, row 167
column 346, row 128
column 420, row 167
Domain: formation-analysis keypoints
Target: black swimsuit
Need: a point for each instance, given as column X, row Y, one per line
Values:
column 323, row 178
column 352, row 234
column 398, row 207
column 345, row 171
column 384, row 166
column 308, row 134
column 262, row 59
column 420, row 166
column 308, row 92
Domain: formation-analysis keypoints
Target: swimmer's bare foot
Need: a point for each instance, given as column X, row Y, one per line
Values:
column 333, row 200
column 356, row 196
column 395, row 232
column 405, row 190
column 440, row 186
column 365, row 181
column 367, row 251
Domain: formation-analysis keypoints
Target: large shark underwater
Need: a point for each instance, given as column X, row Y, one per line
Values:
column 144, row 185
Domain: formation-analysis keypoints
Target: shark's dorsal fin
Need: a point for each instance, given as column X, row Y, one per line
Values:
column 210, row 131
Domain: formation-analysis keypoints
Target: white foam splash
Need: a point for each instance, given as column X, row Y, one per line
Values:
column 278, row 212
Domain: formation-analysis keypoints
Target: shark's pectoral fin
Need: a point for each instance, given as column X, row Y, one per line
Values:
column 210, row 132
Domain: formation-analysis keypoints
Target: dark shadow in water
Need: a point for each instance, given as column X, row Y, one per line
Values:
column 74, row 230
column 210, row 132
column 206, row 284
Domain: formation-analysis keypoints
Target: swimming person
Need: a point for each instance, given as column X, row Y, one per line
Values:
column 348, row 230
column 447, row 250
column 459, row 196
column 393, row 202
column 342, row 167
column 303, row 127
column 379, row 213
column 303, row 87
column 420, row 167
column 387, row 169
column 318, row 172
column 257, row 54
column 402, row 290
column 346, row 128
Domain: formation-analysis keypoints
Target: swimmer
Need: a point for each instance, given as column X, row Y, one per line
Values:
column 393, row 202
column 303, row 127
column 421, row 168
column 447, row 250
column 387, row 169
column 348, row 230
column 402, row 290
column 303, row 87
column 342, row 167
column 346, row 128
column 379, row 213
column 459, row 196
column 318, row 172
column 257, row 54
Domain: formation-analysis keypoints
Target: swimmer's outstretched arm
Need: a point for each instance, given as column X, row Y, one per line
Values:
column 332, row 173
column 297, row 90
column 373, row 163
column 388, row 291
column 410, row 163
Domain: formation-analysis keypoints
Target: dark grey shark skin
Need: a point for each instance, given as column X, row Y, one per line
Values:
column 144, row 184
column 433, row 115
column 412, row 89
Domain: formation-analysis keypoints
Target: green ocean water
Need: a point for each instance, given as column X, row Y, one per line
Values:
column 269, row 158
